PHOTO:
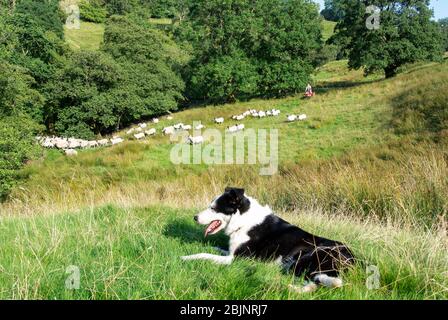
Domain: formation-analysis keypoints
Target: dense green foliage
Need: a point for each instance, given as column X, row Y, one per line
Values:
column 16, row 147
column 246, row 48
column 405, row 34
column 443, row 23
column 93, row 11
column 332, row 10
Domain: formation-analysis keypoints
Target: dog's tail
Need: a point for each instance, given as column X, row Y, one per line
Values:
column 319, row 279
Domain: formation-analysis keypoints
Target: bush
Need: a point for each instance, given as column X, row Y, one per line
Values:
column 92, row 11
column 17, row 145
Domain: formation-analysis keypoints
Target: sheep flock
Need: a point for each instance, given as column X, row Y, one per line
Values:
column 142, row 130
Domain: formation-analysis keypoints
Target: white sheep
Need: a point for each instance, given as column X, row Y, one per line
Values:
column 240, row 126
column 92, row 144
column 103, row 142
column 150, row 132
column 139, row 136
column 186, row 127
column 168, row 130
column 275, row 112
column 199, row 127
column 195, row 140
column 155, row 120
column 292, row 118
column 130, row 131
column 169, row 118
column 219, row 120
column 116, row 140
column 138, row 129
column 61, row 143
column 302, row 117
column 142, row 125
column 70, row 152
column 178, row 126
column 261, row 114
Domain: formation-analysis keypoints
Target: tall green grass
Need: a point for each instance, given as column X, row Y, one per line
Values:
column 135, row 254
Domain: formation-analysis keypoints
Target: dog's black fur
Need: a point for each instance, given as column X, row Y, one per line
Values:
column 304, row 253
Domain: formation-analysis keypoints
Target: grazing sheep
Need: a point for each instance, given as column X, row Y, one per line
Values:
column 261, row 114
column 169, row 118
column 246, row 113
column 84, row 144
column 103, row 142
column 74, row 143
column 195, row 140
column 138, row 129
column 116, row 140
column 240, row 117
column 150, row 132
column 302, row 117
column 178, row 126
column 235, row 128
column 186, row 127
column 71, row 152
column 168, row 130
column 139, row 136
column 275, row 112
column 155, row 120
column 61, row 143
column 130, row 131
column 219, row 120
column 199, row 127
column 93, row 144
column 292, row 118
column 254, row 114
column 142, row 125
column 269, row 113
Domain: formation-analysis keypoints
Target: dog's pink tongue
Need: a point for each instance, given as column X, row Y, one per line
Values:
column 212, row 226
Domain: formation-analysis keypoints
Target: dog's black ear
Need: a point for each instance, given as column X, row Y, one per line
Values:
column 236, row 193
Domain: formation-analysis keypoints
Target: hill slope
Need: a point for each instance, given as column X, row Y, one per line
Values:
column 123, row 214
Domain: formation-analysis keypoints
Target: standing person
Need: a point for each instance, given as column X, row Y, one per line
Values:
column 309, row 90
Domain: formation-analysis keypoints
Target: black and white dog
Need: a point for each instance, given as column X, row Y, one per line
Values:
column 255, row 231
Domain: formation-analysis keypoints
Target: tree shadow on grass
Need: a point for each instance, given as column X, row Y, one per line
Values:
column 331, row 85
column 187, row 231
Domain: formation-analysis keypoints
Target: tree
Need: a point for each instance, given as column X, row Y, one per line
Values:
column 150, row 61
column 240, row 46
column 443, row 23
column 84, row 78
column 16, row 94
column 45, row 13
column 406, row 34
column 332, row 10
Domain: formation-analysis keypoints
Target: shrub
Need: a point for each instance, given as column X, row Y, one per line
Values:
column 16, row 147
column 92, row 11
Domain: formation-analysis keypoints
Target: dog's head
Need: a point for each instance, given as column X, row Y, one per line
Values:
column 221, row 211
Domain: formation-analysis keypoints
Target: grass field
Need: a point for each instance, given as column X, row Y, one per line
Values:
column 123, row 215
column 88, row 37
column 133, row 253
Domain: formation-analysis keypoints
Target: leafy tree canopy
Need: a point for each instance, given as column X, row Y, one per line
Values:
column 406, row 34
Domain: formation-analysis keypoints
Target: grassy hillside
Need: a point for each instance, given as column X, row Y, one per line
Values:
column 124, row 214
column 88, row 37
column 328, row 29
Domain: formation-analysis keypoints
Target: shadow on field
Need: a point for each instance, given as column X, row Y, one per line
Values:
column 330, row 85
column 185, row 230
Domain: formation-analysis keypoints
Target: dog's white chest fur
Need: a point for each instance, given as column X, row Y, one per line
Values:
column 240, row 224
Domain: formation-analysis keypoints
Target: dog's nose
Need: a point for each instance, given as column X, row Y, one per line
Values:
column 195, row 218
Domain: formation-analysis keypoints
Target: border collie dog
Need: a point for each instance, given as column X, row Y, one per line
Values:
column 255, row 231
